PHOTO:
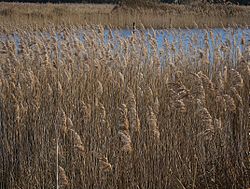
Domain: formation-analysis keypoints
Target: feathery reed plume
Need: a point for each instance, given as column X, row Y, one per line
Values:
column 130, row 98
column 123, row 120
column 63, row 179
column 126, row 141
column 156, row 106
column 203, row 115
column 179, row 105
column 120, row 78
column 85, row 111
column 220, row 100
column 104, row 164
column 109, row 73
column 207, row 83
column 152, row 123
column 133, row 117
column 102, row 113
column 149, row 96
column 86, row 68
column 244, row 67
column 123, row 132
column 225, row 74
column 205, row 120
column 69, row 123
column 178, row 90
column 236, row 78
column 218, row 124
column 77, row 141
column 176, row 100
column 230, row 103
column 178, row 76
column 220, row 83
column 99, row 89
column 17, row 113
column 59, row 89
column 61, row 121
column 49, row 90
column 197, row 89
column 237, row 96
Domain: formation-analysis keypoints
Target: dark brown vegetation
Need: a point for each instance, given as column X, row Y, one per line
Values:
column 137, row 2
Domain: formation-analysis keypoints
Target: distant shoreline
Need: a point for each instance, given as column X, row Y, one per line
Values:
column 160, row 16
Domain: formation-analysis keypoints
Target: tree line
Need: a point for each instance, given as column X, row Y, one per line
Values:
column 240, row 2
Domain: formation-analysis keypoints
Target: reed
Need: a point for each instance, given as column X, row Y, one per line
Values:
column 115, row 114
column 158, row 16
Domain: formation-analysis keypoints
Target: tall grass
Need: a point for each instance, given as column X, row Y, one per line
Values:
column 91, row 114
column 158, row 16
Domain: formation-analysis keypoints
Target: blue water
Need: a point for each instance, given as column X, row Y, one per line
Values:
column 179, row 38
column 186, row 37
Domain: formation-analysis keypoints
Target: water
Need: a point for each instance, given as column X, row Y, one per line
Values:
column 184, row 38
column 172, row 35
column 186, row 35
column 179, row 38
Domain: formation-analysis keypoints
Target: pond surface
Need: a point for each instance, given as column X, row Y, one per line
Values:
column 184, row 39
column 186, row 36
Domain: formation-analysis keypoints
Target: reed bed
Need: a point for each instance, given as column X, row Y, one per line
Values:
column 122, row 113
column 157, row 16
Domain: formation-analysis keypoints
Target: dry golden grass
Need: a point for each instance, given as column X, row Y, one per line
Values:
column 159, row 16
column 85, row 114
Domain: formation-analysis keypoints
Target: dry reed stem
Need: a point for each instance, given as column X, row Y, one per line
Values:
column 59, row 93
